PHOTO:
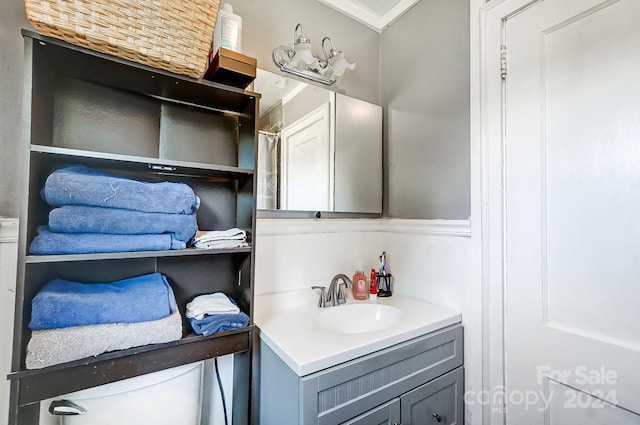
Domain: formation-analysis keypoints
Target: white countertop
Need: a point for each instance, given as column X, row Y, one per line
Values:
column 286, row 323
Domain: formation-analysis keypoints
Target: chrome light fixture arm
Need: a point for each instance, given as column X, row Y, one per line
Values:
column 325, row 71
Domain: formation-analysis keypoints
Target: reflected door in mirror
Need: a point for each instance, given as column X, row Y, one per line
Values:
column 327, row 150
column 307, row 163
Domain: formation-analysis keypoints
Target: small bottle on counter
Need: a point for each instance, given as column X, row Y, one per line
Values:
column 360, row 289
column 373, row 285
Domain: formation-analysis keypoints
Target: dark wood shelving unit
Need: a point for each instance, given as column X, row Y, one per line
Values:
column 32, row 259
column 88, row 108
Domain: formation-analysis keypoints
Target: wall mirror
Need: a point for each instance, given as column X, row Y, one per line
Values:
column 317, row 150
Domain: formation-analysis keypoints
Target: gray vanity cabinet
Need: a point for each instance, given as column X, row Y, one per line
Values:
column 416, row 377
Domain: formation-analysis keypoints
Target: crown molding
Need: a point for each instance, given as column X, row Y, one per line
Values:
column 368, row 17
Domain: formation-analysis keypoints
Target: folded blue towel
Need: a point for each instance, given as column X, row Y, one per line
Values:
column 51, row 243
column 79, row 185
column 83, row 219
column 213, row 323
column 62, row 303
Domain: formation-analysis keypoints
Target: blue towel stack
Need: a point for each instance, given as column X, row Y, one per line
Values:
column 97, row 212
column 63, row 303
column 73, row 320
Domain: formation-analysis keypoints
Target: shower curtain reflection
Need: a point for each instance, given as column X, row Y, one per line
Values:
column 267, row 188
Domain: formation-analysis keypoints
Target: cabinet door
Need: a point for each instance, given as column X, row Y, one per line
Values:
column 387, row 414
column 436, row 402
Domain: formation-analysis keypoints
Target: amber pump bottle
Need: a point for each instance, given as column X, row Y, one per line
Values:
column 359, row 286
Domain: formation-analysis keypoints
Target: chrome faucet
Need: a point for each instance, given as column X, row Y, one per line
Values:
column 322, row 301
column 335, row 294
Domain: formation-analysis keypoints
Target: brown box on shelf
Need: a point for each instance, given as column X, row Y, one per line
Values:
column 232, row 68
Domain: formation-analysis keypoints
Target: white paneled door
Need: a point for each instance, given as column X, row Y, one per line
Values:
column 572, row 197
column 307, row 165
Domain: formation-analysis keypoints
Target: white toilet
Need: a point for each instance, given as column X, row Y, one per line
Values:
column 167, row 397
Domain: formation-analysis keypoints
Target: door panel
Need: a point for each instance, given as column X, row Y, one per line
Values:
column 572, row 193
column 581, row 408
column 307, row 163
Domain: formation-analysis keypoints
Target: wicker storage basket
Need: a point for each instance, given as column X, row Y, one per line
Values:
column 174, row 35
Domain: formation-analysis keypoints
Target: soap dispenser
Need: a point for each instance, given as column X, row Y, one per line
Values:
column 359, row 285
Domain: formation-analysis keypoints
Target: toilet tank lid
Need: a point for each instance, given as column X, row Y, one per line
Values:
column 132, row 384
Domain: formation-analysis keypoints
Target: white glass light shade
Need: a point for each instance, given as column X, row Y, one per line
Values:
column 340, row 65
column 303, row 58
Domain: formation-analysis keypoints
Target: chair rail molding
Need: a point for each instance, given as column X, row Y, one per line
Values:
column 287, row 226
column 460, row 228
column 8, row 230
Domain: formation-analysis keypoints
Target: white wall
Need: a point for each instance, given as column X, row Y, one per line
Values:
column 8, row 263
column 297, row 254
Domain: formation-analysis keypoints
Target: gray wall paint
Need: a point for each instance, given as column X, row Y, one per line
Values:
column 12, row 19
column 268, row 24
column 425, row 92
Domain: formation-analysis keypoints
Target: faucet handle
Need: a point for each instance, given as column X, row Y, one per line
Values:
column 323, row 299
column 341, row 297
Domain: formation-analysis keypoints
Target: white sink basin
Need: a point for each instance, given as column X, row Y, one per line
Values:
column 357, row 318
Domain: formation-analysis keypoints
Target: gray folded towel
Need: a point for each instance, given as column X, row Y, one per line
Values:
column 54, row 346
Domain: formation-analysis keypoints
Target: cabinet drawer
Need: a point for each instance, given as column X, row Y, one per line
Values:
column 437, row 402
column 345, row 391
column 387, row 414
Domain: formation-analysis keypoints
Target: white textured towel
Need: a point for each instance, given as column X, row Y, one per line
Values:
column 54, row 346
column 217, row 303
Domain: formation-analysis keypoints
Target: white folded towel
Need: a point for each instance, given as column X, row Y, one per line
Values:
column 222, row 244
column 221, row 239
column 217, row 235
column 217, row 303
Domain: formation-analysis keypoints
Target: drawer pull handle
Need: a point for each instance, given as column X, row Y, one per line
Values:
column 438, row 417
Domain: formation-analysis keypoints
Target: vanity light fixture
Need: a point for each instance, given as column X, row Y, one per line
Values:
column 335, row 61
column 300, row 61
